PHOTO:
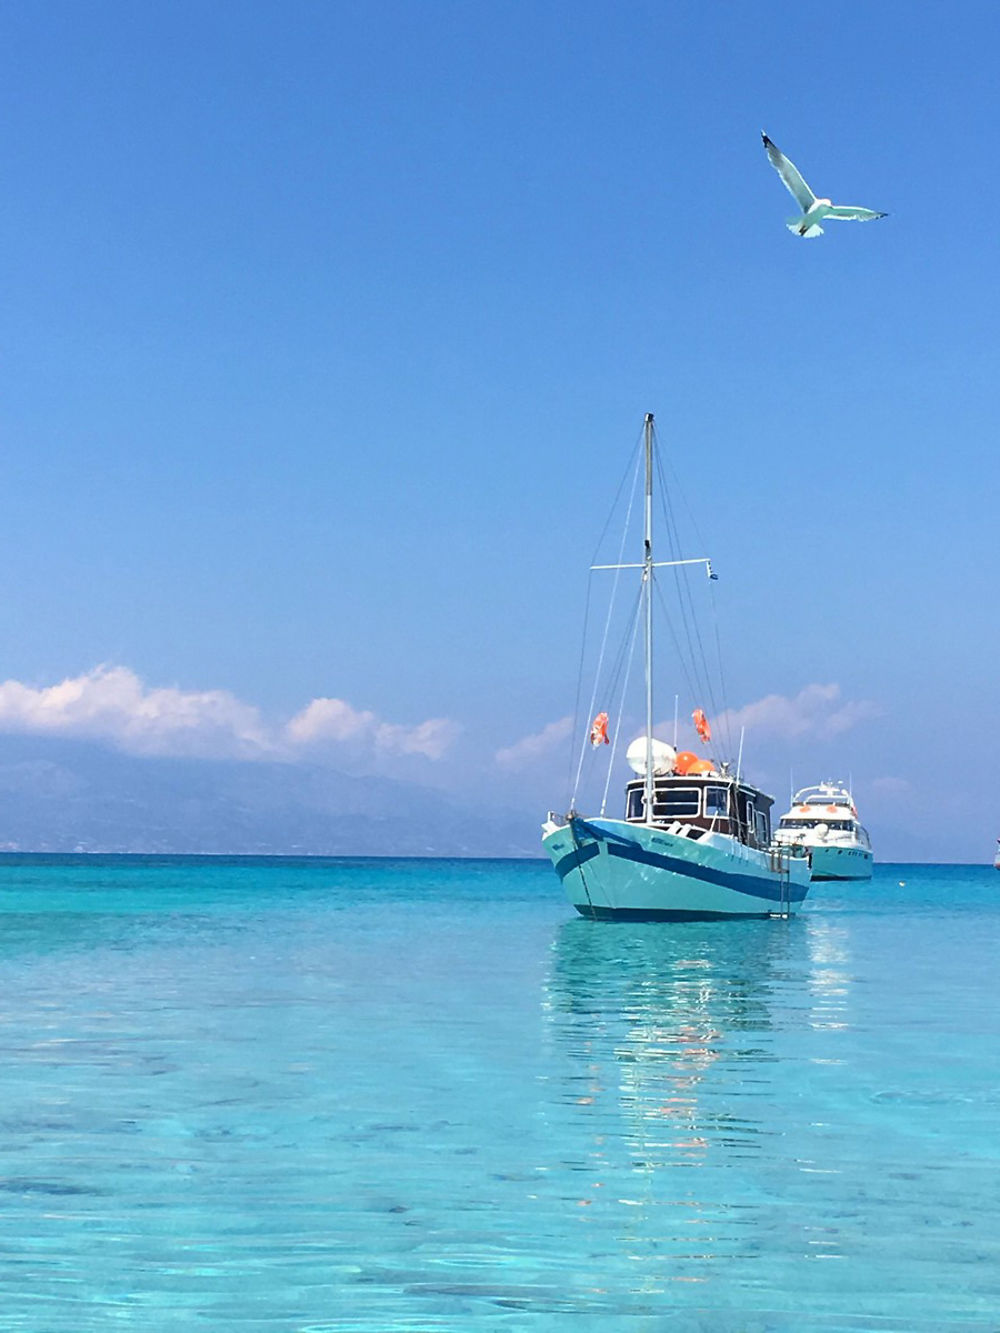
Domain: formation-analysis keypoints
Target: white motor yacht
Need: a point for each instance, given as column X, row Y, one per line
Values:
column 824, row 820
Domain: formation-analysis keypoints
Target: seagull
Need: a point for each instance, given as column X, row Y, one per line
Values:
column 814, row 210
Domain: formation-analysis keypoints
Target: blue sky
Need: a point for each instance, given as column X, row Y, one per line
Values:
column 326, row 330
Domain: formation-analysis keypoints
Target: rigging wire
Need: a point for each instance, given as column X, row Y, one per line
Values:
column 618, row 675
column 621, row 704
column 676, row 488
column 579, row 689
column 681, row 579
column 724, row 715
column 688, row 617
column 684, row 664
column 700, row 671
column 607, row 622
column 618, row 496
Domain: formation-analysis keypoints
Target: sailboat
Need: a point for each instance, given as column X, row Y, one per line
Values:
column 694, row 840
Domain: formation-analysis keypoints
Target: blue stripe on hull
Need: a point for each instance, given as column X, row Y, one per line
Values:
column 755, row 886
column 573, row 860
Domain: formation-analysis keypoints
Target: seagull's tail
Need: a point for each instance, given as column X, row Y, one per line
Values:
column 796, row 227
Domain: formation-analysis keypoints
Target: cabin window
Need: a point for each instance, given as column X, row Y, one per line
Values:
column 762, row 829
column 635, row 803
column 845, row 825
column 677, row 802
column 716, row 802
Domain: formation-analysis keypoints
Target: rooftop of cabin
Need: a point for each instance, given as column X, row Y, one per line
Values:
column 827, row 793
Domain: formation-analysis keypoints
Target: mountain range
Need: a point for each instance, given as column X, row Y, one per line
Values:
column 74, row 796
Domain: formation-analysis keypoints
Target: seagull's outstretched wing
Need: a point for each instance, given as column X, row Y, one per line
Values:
column 789, row 174
column 848, row 213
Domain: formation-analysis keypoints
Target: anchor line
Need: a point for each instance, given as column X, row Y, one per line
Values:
column 583, row 877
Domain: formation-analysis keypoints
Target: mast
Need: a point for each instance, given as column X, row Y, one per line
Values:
column 647, row 580
column 647, row 565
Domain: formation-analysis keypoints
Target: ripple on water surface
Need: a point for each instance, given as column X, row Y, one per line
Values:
column 318, row 1095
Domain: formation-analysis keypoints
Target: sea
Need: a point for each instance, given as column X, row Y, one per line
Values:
column 306, row 1095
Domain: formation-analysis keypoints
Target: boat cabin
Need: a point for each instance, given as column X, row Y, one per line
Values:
column 706, row 802
column 822, row 810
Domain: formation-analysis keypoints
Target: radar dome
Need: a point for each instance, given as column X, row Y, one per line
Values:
column 664, row 756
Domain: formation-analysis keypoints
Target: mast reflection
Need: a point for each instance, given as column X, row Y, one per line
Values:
column 671, row 1055
column 651, row 1019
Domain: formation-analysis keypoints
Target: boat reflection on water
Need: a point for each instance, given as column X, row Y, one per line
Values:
column 678, row 1047
column 645, row 1016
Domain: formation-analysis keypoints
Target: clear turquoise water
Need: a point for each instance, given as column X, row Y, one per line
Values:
column 382, row 1095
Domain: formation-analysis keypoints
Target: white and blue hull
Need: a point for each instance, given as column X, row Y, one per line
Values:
column 612, row 869
column 831, row 862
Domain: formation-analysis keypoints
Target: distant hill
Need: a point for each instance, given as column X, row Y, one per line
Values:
column 64, row 796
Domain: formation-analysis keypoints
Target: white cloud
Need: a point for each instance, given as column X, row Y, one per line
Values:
column 536, row 746
column 112, row 704
column 335, row 722
column 817, row 711
column 329, row 720
column 431, row 738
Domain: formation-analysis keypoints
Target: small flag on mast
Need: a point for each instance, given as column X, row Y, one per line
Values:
column 701, row 725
